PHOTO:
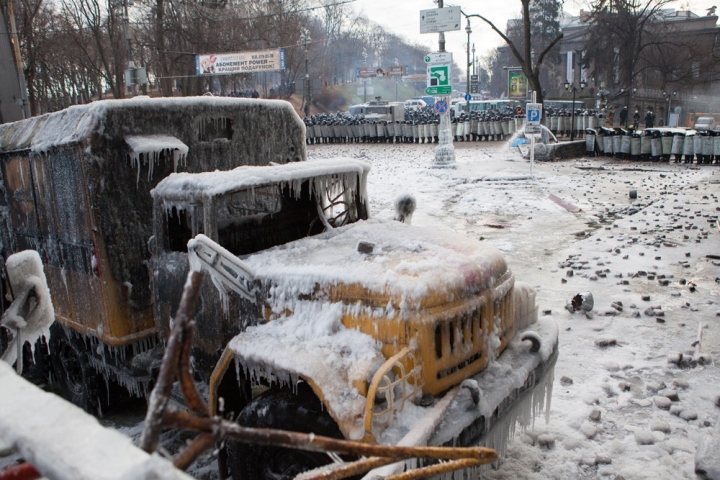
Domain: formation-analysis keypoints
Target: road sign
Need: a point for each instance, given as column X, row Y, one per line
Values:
column 438, row 75
column 441, row 107
column 439, row 58
column 440, row 20
column 468, row 97
column 474, row 88
column 533, row 129
column 533, row 112
column 438, row 90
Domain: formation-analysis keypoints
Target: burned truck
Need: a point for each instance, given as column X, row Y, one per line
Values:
column 76, row 188
column 340, row 324
column 314, row 317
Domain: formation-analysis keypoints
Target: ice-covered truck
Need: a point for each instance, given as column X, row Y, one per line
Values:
column 76, row 188
column 350, row 326
column 315, row 316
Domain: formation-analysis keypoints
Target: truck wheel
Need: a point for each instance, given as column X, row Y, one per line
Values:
column 282, row 409
column 73, row 377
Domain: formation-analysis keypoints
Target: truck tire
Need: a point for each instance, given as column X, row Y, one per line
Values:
column 73, row 377
column 282, row 409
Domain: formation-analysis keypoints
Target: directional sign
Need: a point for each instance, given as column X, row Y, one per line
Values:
column 441, row 107
column 533, row 129
column 439, row 58
column 438, row 90
column 438, row 75
column 468, row 97
column 533, row 112
column 440, row 20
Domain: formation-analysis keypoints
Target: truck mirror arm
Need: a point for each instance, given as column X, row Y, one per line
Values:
column 223, row 266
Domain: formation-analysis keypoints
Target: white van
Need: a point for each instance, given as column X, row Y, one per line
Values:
column 415, row 104
column 704, row 123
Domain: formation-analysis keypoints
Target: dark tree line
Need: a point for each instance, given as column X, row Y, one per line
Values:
column 75, row 51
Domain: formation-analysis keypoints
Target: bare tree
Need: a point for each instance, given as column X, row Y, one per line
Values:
column 524, row 54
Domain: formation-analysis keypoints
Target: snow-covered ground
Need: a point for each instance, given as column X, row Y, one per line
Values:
column 644, row 261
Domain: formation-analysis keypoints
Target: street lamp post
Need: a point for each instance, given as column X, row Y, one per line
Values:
column 474, row 65
column 630, row 91
column 668, row 99
column 570, row 87
column 468, row 30
column 307, row 94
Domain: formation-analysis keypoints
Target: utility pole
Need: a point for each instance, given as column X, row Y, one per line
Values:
column 445, row 151
column 22, row 100
column 130, row 76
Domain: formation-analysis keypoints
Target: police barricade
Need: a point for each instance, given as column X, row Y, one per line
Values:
column 554, row 124
column 590, row 140
column 635, row 139
column 497, row 127
column 645, row 144
column 625, row 144
column 678, row 141
column 617, row 143
column 716, row 146
column 707, row 146
column 689, row 147
column 697, row 147
column 512, row 126
column 666, row 138
column 608, row 135
column 655, row 146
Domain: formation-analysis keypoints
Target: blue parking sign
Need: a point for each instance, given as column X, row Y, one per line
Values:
column 533, row 113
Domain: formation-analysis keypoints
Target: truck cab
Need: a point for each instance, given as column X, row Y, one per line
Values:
column 321, row 308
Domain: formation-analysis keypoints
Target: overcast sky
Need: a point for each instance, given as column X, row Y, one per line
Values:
column 402, row 17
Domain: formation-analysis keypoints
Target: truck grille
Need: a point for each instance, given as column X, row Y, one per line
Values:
column 456, row 338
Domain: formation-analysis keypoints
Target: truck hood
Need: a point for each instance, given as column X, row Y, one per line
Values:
column 409, row 267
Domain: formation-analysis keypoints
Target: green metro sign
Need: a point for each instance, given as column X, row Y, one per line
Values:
column 438, row 80
column 446, row 90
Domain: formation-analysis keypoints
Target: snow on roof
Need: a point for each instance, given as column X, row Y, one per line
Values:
column 314, row 344
column 63, row 442
column 150, row 146
column 186, row 186
column 413, row 267
column 78, row 123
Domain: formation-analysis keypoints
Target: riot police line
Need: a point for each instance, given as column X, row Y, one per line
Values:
column 422, row 126
column 655, row 144
column 418, row 127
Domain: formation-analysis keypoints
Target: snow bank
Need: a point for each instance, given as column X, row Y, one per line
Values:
column 65, row 443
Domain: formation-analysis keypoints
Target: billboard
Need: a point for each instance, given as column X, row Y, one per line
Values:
column 517, row 84
column 244, row 62
column 395, row 71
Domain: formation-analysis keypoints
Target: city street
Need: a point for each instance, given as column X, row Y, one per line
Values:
column 652, row 265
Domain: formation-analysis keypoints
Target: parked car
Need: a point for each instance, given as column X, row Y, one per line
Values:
column 415, row 104
column 705, row 123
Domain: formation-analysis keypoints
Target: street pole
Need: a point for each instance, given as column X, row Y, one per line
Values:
column 308, row 93
column 467, row 89
column 128, row 47
column 570, row 87
column 444, row 152
column 474, row 65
